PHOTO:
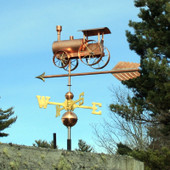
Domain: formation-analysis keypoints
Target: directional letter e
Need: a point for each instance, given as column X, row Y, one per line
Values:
column 43, row 101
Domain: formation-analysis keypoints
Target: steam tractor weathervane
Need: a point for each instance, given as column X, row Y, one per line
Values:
column 67, row 53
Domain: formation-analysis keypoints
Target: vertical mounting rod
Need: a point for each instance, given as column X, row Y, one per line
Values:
column 69, row 139
column 69, row 77
column 54, row 140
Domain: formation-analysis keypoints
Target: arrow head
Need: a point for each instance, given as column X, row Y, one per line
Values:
column 41, row 77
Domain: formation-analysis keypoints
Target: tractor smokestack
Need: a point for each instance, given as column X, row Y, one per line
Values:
column 58, row 29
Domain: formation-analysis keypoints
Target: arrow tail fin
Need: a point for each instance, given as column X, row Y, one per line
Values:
column 130, row 74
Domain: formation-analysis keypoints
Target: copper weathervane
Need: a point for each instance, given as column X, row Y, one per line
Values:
column 67, row 54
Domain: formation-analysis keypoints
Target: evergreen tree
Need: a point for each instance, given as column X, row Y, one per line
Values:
column 151, row 41
column 84, row 147
column 123, row 149
column 153, row 159
column 43, row 144
column 5, row 120
column 150, row 104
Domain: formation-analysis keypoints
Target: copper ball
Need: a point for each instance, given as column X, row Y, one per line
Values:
column 69, row 95
column 69, row 119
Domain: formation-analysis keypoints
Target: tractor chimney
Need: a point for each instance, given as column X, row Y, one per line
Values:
column 71, row 37
column 58, row 29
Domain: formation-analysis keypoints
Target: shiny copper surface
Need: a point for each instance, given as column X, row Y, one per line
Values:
column 71, row 46
column 122, row 76
column 43, row 76
column 69, row 119
column 58, row 29
column 71, row 37
column 88, row 51
column 105, row 58
column 69, row 95
column 95, row 31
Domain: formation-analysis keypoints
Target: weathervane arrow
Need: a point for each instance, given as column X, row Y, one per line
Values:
column 122, row 71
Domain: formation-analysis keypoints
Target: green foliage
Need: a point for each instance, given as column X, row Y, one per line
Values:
column 63, row 164
column 154, row 160
column 151, row 100
column 103, row 157
column 153, row 29
column 123, row 149
column 43, row 144
column 5, row 152
column 5, row 120
column 14, row 165
column 83, row 147
column 150, row 40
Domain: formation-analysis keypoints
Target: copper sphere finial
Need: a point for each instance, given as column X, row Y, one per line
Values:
column 69, row 95
column 69, row 119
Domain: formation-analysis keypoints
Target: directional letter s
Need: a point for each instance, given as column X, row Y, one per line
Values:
column 43, row 101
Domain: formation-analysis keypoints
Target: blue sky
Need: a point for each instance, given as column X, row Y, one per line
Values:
column 27, row 31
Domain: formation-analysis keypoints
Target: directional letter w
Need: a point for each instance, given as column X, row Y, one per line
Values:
column 43, row 101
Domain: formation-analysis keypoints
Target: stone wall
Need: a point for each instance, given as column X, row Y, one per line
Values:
column 17, row 157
